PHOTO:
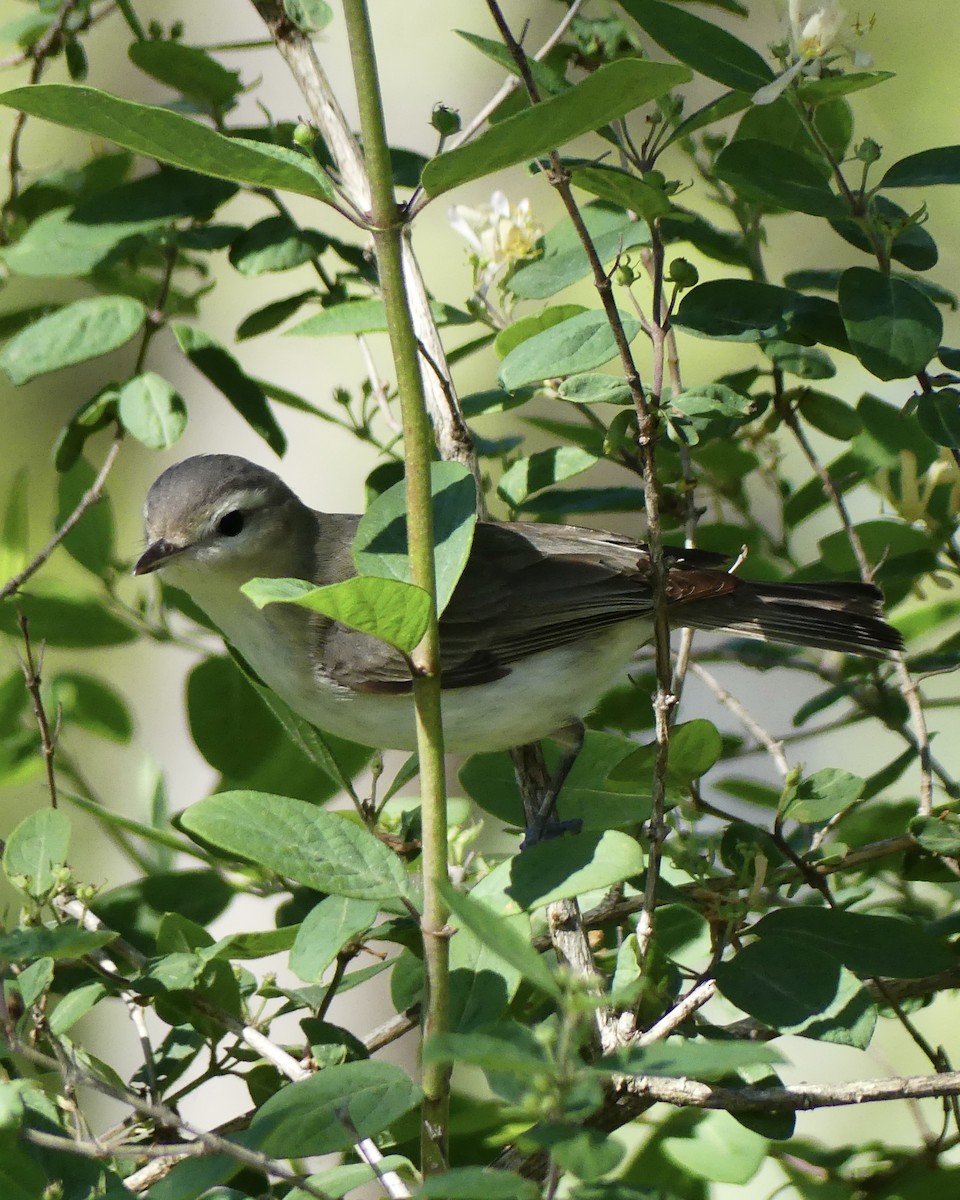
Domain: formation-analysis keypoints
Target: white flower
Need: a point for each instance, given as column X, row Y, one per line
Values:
column 498, row 236
column 813, row 34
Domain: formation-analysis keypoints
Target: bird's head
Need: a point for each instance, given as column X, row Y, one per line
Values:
column 219, row 512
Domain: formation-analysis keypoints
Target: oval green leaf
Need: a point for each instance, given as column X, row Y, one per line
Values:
column 73, row 334
column 893, row 329
column 610, row 92
column 318, row 849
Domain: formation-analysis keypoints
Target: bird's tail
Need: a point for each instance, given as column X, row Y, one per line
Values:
column 829, row 616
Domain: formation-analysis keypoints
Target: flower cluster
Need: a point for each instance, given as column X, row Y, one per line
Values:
column 498, row 235
column 813, row 34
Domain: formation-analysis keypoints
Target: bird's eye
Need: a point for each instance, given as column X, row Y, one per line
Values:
column 231, row 523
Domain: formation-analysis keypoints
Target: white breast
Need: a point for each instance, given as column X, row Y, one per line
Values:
column 543, row 692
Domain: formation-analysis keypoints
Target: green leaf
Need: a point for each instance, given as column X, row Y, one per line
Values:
column 720, row 1149
column 527, row 327
column 548, row 80
column 542, row 470
column 774, row 174
column 73, row 334
column 21, row 1176
column 940, row 834
column 823, row 794
column 304, row 1118
column 92, row 541
column 225, row 373
column 512, row 1049
column 711, row 51
column 490, row 781
column 152, row 410
column 169, row 137
column 15, row 528
column 365, row 316
column 867, row 944
column 320, row 850
column 228, row 722
column 59, row 941
column 325, row 930
column 264, row 319
column 695, row 746
column 92, row 704
column 575, row 345
column 397, row 613
column 74, row 1005
column 65, row 621
column 595, row 389
column 913, row 246
column 806, row 992
column 829, row 414
column 501, row 938
column 557, row 870
column 939, row 416
column 275, row 244
column 477, row 1183
column 724, row 106
column 709, row 411
column 380, row 545
column 893, row 329
column 816, row 91
column 924, row 169
column 612, row 91
column 623, row 189
column 189, row 70
column 34, row 981
column 36, row 849
column 690, row 1058
column 737, row 310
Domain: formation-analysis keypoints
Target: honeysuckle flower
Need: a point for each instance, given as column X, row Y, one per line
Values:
column 912, row 495
column 813, row 33
column 498, row 236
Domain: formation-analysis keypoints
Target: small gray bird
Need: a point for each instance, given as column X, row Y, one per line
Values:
column 542, row 622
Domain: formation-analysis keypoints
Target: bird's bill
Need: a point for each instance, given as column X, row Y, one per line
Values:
column 155, row 556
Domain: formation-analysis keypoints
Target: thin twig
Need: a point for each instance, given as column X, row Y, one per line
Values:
column 89, row 498
column 31, row 675
column 646, row 409
column 773, row 747
column 696, row 998
column 285, row 1063
column 512, row 82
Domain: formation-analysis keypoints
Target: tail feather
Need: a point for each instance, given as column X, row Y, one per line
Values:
column 828, row 616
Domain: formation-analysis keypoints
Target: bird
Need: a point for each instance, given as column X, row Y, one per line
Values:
column 543, row 621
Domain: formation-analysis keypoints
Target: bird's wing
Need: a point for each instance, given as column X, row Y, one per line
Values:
column 528, row 588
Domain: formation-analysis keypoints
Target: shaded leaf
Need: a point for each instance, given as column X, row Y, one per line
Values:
column 893, row 329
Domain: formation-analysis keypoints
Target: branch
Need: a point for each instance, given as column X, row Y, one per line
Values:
column 285, row 1063
column 451, row 432
column 800, row 1097
column 87, row 501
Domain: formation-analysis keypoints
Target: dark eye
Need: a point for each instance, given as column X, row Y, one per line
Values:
column 231, row 523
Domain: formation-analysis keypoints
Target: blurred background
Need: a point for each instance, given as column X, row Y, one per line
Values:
column 423, row 62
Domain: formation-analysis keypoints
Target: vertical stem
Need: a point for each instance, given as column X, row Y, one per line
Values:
column 387, row 228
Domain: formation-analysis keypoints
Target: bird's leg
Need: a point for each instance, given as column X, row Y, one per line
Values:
column 539, row 789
